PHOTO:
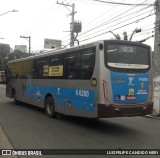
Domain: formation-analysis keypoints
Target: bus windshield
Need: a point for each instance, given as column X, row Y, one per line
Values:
column 126, row 56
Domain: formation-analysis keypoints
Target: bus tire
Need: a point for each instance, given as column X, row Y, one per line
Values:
column 50, row 107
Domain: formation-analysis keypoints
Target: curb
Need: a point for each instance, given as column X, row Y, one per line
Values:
column 153, row 116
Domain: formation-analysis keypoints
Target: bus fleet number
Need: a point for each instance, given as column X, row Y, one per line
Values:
column 82, row 93
column 128, row 49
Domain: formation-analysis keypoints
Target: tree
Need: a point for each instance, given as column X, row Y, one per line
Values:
column 11, row 56
column 4, row 51
column 125, row 35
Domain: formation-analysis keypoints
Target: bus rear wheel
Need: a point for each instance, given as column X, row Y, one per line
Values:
column 50, row 107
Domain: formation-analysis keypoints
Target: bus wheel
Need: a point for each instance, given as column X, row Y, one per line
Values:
column 50, row 107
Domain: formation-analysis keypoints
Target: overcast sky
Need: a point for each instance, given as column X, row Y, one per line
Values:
column 45, row 19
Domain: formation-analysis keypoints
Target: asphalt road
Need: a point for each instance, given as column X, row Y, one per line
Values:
column 27, row 127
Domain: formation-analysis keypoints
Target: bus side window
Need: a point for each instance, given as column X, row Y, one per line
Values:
column 45, row 68
column 36, row 71
column 56, row 60
column 88, row 63
column 77, row 67
column 69, row 62
column 73, row 66
column 15, row 70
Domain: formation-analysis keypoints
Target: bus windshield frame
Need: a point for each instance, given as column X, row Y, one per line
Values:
column 127, row 56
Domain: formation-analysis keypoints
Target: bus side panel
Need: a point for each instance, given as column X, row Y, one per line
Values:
column 9, row 88
column 14, row 86
column 69, row 101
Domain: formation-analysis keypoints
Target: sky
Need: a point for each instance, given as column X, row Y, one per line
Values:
column 42, row 19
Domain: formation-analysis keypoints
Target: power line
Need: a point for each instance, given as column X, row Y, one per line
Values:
column 39, row 21
column 115, row 28
column 89, row 23
column 37, row 24
column 118, row 28
column 46, row 19
column 119, row 22
column 118, row 15
column 43, row 19
column 122, row 3
column 111, row 19
column 102, row 14
column 115, row 18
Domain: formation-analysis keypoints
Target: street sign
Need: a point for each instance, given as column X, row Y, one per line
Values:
column 52, row 43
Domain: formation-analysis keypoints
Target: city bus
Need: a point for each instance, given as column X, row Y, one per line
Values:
column 107, row 78
column 2, row 77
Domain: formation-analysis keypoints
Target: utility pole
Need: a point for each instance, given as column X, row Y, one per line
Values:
column 156, row 54
column 156, row 57
column 29, row 39
column 72, row 20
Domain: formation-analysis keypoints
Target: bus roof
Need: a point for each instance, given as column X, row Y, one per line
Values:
column 58, row 51
column 63, row 50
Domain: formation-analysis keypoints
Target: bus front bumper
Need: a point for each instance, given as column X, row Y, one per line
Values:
column 105, row 111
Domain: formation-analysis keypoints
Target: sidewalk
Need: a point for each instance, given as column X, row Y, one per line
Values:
column 4, row 143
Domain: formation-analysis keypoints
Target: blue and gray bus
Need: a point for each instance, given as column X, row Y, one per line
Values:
column 107, row 78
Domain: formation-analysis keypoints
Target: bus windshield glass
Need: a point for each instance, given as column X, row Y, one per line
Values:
column 126, row 56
